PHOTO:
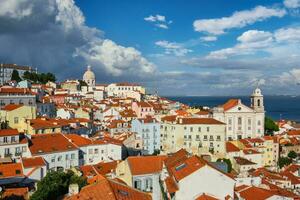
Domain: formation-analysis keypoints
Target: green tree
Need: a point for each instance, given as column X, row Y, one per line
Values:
column 270, row 126
column 56, row 184
column 228, row 162
column 284, row 161
column 15, row 76
column 292, row 154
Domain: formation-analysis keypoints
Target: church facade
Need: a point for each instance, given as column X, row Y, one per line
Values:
column 242, row 121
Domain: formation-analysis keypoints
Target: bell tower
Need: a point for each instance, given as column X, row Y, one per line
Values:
column 257, row 101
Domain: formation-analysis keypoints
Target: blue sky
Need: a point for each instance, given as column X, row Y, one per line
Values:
column 207, row 47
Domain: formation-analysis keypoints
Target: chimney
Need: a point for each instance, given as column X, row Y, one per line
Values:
column 73, row 189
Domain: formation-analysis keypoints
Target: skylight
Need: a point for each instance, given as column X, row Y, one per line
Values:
column 179, row 167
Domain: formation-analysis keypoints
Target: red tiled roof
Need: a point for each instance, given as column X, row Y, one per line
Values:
column 11, row 107
column 138, row 167
column 11, row 170
column 243, row 161
column 256, row 193
column 100, row 168
column 109, row 190
column 19, row 91
column 48, row 143
column 171, row 185
column 293, row 132
column 206, row 197
column 79, row 140
column 33, row 162
column 230, row 104
column 13, row 192
column 187, row 167
column 8, row 132
column 231, row 147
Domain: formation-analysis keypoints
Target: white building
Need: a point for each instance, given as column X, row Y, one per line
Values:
column 95, row 151
column 7, row 69
column 242, row 121
column 190, row 177
column 10, row 95
column 13, row 145
column 125, row 90
column 56, row 150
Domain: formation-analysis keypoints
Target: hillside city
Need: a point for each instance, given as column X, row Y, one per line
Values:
column 77, row 139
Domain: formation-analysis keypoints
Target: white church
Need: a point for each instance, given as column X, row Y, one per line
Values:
column 242, row 121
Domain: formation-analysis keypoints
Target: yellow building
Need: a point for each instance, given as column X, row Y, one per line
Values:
column 196, row 135
column 45, row 125
column 16, row 115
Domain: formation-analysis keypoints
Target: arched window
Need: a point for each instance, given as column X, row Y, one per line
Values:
column 239, row 121
column 258, row 102
column 258, row 122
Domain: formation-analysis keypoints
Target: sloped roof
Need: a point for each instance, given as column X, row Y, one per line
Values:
column 145, row 164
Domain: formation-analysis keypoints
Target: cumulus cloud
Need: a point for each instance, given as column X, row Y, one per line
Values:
column 159, row 21
column 289, row 78
column 249, row 42
column 288, row 34
column 52, row 36
column 236, row 20
column 173, row 48
column 291, row 3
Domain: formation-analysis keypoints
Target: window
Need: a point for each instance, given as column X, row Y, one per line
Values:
column 205, row 137
column 53, row 159
column 197, row 137
column 199, row 129
column 211, row 138
column 16, row 120
column 90, row 151
column 18, row 150
column 184, row 128
column 207, row 129
column 73, row 156
column 59, row 158
column 24, row 149
column 218, row 137
column 190, row 137
column 230, row 121
column 5, row 140
column 239, row 121
column 96, row 151
column 191, row 129
column 67, row 156
column 258, row 102
column 6, row 151
column 13, row 139
column 137, row 184
column 258, row 122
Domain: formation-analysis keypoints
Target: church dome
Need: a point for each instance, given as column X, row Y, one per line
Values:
column 89, row 74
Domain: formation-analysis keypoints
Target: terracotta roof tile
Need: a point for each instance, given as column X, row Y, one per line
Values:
column 231, row 147
column 11, row 170
column 11, row 107
column 230, row 104
column 33, row 162
column 8, row 132
column 48, row 143
column 20, row 192
column 138, row 167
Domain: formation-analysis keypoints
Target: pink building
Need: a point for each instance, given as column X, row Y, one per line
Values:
column 143, row 109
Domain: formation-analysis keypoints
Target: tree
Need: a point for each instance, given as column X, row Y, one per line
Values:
column 15, row 76
column 39, row 78
column 284, row 161
column 56, row 184
column 292, row 154
column 270, row 126
column 228, row 162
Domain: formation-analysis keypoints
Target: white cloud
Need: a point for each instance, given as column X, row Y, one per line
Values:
column 52, row 36
column 155, row 18
column 15, row 8
column 249, row 42
column 162, row 26
column 116, row 59
column 291, row 3
column 290, row 78
column 237, row 20
column 208, row 38
column 173, row 48
column 159, row 21
column 288, row 34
